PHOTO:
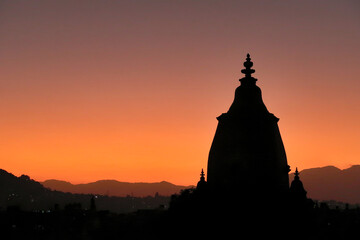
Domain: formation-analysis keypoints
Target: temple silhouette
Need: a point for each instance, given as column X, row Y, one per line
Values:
column 247, row 152
column 247, row 185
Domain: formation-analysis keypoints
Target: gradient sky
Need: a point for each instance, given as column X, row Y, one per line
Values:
column 130, row 90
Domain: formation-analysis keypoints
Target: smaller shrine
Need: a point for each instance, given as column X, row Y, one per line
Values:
column 202, row 184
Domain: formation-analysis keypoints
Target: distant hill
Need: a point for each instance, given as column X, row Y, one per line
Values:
column 116, row 188
column 27, row 194
column 331, row 183
column 323, row 184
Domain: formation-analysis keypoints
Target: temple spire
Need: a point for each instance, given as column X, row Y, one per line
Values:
column 297, row 190
column 202, row 183
column 248, row 64
column 297, row 175
column 202, row 175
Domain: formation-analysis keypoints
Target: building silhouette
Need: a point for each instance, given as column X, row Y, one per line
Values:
column 247, row 187
column 247, row 155
column 202, row 184
column 296, row 188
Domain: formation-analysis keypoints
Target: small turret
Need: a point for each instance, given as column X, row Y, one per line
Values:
column 202, row 183
column 297, row 190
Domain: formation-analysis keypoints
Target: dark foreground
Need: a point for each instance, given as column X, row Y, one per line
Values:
column 74, row 223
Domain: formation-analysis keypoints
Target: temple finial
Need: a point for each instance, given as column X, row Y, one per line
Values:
column 202, row 175
column 248, row 64
column 296, row 174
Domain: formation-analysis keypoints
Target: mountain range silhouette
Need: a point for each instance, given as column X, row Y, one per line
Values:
column 116, row 188
column 27, row 194
column 322, row 183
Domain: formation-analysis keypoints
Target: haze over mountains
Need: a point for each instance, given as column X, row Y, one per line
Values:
column 323, row 183
column 116, row 188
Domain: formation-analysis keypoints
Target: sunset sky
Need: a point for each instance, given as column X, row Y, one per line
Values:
column 130, row 90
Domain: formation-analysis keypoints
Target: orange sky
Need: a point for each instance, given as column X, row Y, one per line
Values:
column 130, row 90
